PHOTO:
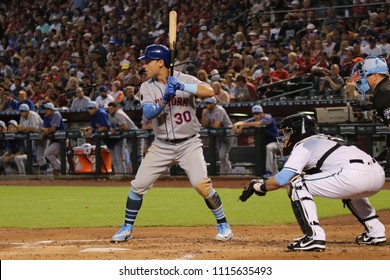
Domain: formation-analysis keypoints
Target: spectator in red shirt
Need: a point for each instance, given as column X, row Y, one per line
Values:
column 279, row 74
column 209, row 63
column 307, row 64
column 244, row 91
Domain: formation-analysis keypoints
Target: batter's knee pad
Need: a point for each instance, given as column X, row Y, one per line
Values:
column 204, row 187
column 354, row 211
column 298, row 183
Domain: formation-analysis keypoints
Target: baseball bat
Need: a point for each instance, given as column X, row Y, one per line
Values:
column 172, row 38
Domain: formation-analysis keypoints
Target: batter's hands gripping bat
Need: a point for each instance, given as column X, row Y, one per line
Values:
column 172, row 38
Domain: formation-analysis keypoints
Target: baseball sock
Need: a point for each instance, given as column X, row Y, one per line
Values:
column 214, row 203
column 133, row 204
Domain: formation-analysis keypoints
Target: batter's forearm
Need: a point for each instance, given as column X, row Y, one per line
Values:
column 204, row 91
column 151, row 111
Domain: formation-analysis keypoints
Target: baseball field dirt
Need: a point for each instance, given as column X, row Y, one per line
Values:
column 184, row 243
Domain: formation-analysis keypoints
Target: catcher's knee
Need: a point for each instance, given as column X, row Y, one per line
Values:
column 296, row 183
column 204, row 187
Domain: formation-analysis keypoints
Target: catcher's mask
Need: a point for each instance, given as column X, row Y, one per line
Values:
column 293, row 129
column 369, row 66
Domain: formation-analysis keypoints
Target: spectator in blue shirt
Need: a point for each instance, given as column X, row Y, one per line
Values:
column 24, row 100
column 11, row 103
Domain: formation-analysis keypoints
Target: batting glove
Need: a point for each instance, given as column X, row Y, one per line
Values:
column 170, row 93
column 172, row 81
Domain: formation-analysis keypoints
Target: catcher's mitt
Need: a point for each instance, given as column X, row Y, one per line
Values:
column 256, row 186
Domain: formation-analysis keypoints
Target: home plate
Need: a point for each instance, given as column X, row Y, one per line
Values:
column 93, row 250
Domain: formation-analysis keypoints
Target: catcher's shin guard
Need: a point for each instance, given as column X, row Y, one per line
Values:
column 298, row 205
column 364, row 213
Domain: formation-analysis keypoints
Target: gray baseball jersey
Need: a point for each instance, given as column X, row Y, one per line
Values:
column 120, row 118
column 178, row 120
column 225, row 144
column 219, row 114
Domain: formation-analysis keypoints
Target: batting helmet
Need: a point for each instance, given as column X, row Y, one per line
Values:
column 293, row 129
column 156, row 52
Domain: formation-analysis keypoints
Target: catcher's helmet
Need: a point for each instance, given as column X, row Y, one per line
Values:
column 156, row 52
column 293, row 129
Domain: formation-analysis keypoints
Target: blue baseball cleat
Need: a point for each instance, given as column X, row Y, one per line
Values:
column 225, row 233
column 124, row 234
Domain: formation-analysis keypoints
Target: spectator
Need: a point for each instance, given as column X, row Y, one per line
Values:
column 80, row 102
column 383, row 43
column 279, row 74
column 17, row 86
column 88, row 87
column 116, row 92
column 243, row 91
column 236, row 63
column 321, row 68
column 194, row 59
column 104, row 97
column 202, row 76
column 215, row 116
column 333, row 84
column 329, row 45
column 10, row 104
column 292, row 67
column 52, row 123
column 131, row 100
column 306, row 65
column 5, row 69
column 221, row 95
column 372, row 48
column 262, row 81
column 24, row 100
column 209, row 63
column 228, row 83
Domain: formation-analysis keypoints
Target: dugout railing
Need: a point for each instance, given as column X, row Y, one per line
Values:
column 69, row 139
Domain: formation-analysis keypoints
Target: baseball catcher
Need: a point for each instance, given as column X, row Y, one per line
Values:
column 321, row 165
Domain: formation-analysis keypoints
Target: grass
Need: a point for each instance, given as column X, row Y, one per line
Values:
column 67, row 207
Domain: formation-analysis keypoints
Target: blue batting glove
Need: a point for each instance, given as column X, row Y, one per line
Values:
column 172, row 81
column 170, row 93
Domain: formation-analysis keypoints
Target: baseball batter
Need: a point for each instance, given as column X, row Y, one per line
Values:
column 169, row 101
column 333, row 169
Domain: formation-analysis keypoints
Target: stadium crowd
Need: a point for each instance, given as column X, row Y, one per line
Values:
column 50, row 48
column 69, row 53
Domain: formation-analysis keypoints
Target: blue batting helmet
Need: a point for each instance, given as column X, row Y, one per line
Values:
column 155, row 52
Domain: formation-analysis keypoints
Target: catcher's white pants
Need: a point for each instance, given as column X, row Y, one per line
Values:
column 354, row 181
